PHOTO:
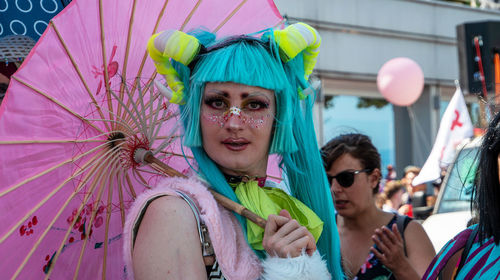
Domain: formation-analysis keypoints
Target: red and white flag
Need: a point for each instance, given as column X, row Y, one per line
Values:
column 455, row 126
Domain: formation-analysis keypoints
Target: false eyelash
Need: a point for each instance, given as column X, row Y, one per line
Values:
column 210, row 100
column 262, row 104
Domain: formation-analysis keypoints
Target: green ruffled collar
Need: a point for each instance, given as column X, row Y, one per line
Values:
column 265, row 201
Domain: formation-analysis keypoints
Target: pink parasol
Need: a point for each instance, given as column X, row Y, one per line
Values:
column 75, row 112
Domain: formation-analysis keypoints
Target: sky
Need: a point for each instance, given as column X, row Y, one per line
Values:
column 344, row 117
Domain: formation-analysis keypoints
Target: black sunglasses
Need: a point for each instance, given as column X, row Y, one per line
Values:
column 346, row 178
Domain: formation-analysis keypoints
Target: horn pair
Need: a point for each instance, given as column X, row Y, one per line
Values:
column 183, row 48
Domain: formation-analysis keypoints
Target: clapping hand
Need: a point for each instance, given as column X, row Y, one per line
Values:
column 390, row 247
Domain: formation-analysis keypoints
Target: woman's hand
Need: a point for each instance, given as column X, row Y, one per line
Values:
column 391, row 252
column 285, row 237
column 390, row 246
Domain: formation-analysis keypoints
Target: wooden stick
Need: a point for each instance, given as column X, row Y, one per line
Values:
column 224, row 201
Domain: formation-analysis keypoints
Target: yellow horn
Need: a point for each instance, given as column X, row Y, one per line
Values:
column 297, row 38
column 178, row 46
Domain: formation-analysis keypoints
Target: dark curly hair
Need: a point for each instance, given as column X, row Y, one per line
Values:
column 358, row 146
column 486, row 194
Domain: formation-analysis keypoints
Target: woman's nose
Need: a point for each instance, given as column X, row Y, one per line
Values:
column 335, row 186
column 234, row 119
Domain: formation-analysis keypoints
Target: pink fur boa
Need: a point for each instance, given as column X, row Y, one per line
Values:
column 236, row 259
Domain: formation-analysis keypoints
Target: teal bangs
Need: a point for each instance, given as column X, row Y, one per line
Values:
column 245, row 62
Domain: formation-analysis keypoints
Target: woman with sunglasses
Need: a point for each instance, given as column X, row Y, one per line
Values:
column 371, row 243
column 241, row 99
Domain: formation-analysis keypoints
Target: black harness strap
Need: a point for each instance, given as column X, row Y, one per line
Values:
column 466, row 251
column 402, row 222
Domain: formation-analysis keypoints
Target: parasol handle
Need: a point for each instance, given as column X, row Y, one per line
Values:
column 147, row 156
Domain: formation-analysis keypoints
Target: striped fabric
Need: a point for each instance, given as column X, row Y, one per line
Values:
column 215, row 273
column 483, row 261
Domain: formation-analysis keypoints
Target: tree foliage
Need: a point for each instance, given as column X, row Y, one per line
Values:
column 363, row 102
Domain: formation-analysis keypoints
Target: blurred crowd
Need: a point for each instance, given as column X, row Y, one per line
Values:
column 401, row 196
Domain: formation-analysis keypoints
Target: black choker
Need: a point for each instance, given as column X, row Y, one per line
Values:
column 232, row 179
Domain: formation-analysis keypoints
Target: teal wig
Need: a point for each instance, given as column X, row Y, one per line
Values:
column 258, row 64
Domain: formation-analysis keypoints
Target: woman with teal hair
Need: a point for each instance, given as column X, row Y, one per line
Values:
column 241, row 99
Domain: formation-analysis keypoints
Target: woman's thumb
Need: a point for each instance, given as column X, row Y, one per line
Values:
column 285, row 213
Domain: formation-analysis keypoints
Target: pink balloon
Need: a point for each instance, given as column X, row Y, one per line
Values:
column 401, row 81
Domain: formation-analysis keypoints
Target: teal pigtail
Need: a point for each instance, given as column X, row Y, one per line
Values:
column 304, row 168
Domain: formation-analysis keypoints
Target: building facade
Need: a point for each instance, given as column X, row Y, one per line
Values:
column 359, row 36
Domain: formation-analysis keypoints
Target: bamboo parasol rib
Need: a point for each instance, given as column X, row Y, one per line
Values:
column 224, row 201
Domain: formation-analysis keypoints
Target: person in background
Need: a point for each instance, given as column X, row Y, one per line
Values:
column 475, row 252
column 415, row 196
column 392, row 197
column 410, row 172
column 391, row 174
column 436, row 187
column 374, row 244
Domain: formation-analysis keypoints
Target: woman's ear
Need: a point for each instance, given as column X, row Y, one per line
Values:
column 375, row 177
